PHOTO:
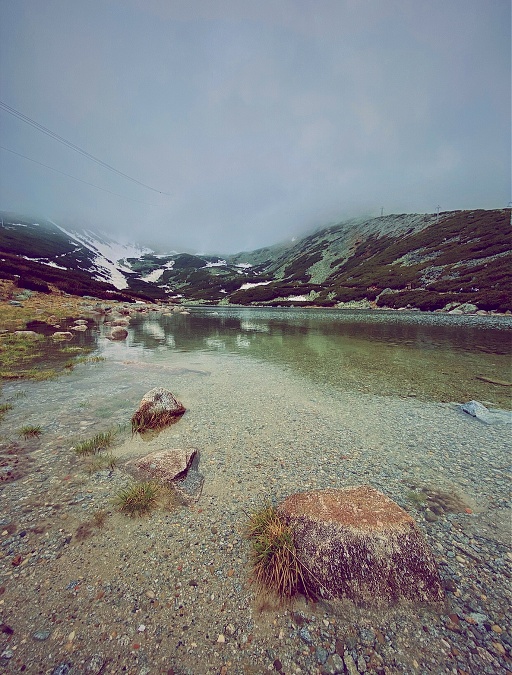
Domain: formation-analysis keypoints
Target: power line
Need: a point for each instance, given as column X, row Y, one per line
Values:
column 28, row 120
column 74, row 177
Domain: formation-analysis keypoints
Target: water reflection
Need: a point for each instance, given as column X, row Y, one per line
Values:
column 435, row 357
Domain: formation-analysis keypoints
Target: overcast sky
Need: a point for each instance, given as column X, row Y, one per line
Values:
column 261, row 119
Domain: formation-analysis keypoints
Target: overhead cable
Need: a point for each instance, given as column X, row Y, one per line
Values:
column 28, row 120
column 74, row 177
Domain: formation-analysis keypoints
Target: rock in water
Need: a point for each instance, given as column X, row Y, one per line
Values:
column 164, row 465
column 357, row 543
column 157, row 409
column 118, row 333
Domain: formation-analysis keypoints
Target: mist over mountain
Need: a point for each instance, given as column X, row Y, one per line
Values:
column 425, row 261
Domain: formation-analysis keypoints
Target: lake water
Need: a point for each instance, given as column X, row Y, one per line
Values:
column 429, row 356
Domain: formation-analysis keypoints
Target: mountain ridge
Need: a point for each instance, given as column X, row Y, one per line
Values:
column 424, row 261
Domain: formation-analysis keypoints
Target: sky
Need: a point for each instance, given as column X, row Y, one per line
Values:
column 243, row 124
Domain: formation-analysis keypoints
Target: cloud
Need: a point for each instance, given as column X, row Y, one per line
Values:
column 261, row 119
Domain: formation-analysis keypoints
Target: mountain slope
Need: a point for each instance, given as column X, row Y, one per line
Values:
column 419, row 260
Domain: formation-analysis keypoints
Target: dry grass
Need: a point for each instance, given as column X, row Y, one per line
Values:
column 276, row 568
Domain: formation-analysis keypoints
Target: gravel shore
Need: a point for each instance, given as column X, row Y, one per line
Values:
column 171, row 593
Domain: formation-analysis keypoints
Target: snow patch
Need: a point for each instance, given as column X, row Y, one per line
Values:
column 154, row 276
column 219, row 263
column 244, row 287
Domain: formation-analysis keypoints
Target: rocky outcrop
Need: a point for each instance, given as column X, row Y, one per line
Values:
column 356, row 543
column 157, row 409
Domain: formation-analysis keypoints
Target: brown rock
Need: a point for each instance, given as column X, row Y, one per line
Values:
column 118, row 333
column 157, row 409
column 164, row 465
column 357, row 543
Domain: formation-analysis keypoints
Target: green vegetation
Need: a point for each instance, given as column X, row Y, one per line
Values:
column 100, row 462
column 275, row 565
column 30, row 431
column 138, row 499
column 95, row 445
column 4, row 409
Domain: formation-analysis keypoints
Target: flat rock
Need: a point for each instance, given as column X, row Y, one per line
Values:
column 164, row 465
column 480, row 412
column 62, row 335
column 356, row 543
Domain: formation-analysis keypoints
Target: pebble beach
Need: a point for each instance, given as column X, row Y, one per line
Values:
column 86, row 589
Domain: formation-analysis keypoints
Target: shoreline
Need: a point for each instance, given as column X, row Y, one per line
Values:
column 171, row 593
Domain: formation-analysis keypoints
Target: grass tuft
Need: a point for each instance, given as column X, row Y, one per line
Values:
column 100, row 462
column 30, row 431
column 95, row 445
column 4, row 409
column 138, row 499
column 275, row 565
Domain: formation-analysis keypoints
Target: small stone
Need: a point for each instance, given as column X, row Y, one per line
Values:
column 41, row 635
column 499, row 647
column 150, row 594
column 350, row 665
column 278, row 665
column 96, row 663
column 221, row 639
column 141, row 628
column 61, row 669
column 496, row 629
column 321, row 655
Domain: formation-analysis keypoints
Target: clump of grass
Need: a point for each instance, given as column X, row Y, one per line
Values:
column 95, row 445
column 30, row 431
column 100, row 462
column 90, row 359
column 4, row 409
column 138, row 499
column 275, row 565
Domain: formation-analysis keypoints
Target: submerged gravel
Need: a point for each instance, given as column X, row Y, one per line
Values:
column 171, row 593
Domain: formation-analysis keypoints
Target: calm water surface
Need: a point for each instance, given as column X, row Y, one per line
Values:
column 430, row 356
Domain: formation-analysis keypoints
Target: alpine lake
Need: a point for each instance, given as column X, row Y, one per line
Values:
column 277, row 401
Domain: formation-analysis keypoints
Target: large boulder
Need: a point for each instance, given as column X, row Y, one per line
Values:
column 157, row 409
column 357, row 543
